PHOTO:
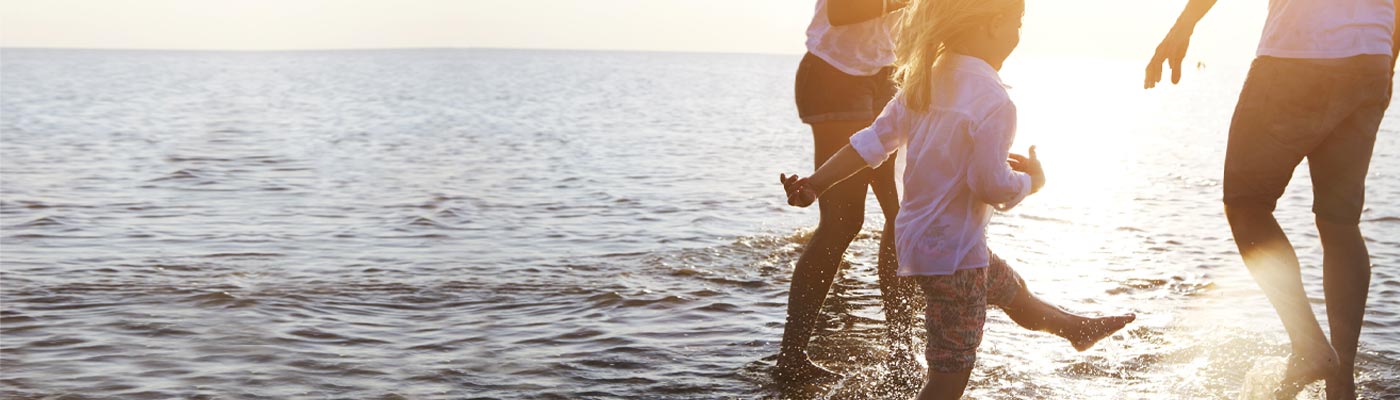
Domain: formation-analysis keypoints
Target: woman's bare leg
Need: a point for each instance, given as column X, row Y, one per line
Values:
column 900, row 296
column 842, row 215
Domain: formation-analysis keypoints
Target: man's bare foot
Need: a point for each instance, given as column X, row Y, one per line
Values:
column 800, row 369
column 1304, row 369
column 1089, row 331
column 1341, row 391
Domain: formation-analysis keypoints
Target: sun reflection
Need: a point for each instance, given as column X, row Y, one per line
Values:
column 1088, row 153
column 1092, row 160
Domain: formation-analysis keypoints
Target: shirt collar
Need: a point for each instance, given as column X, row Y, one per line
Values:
column 974, row 65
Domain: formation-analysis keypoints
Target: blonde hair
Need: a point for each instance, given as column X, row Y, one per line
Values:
column 925, row 32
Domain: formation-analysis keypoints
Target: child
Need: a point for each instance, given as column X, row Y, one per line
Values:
column 957, row 122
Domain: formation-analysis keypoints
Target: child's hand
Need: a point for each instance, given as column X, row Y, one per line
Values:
column 1029, row 165
column 799, row 193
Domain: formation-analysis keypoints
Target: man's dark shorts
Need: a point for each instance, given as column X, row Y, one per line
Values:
column 957, row 310
column 1325, row 110
column 825, row 94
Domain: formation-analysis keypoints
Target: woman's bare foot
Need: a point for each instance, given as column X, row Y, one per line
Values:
column 800, row 369
column 1087, row 331
column 1304, row 369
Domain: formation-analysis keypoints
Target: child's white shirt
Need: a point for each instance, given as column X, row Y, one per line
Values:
column 956, row 172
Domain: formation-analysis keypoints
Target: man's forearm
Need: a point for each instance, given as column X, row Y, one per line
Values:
column 846, row 12
column 1195, row 10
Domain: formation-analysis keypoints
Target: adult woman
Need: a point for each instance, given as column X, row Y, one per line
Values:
column 842, row 84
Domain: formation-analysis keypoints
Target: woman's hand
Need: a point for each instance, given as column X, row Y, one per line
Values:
column 799, row 192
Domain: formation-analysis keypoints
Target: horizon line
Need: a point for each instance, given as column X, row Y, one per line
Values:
column 1036, row 56
column 422, row 48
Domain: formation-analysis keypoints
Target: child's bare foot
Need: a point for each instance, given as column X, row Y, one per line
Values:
column 1304, row 369
column 1089, row 331
column 904, row 367
column 800, row 369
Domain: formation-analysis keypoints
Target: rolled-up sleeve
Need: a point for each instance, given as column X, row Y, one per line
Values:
column 990, row 177
column 882, row 138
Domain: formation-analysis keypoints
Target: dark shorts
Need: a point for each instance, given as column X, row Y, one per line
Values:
column 1327, row 111
column 957, row 309
column 825, row 94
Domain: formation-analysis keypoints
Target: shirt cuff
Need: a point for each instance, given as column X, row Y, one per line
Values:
column 1021, row 195
column 867, row 144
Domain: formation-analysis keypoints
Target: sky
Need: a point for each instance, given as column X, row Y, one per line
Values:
column 1075, row 28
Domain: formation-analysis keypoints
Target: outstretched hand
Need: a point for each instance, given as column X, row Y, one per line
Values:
column 1030, row 166
column 1172, row 50
column 799, row 193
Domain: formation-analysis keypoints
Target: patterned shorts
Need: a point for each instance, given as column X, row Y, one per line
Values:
column 957, row 309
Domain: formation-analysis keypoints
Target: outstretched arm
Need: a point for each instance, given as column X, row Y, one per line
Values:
column 803, row 192
column 846, row 12
column 869, row 147
column 1173, row 47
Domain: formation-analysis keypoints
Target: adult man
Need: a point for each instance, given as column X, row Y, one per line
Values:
column 1318, row 90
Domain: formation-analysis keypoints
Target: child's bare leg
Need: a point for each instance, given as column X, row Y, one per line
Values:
column 955, row 312
column 1007, row 290
column 944, row 386
column 1032, row 313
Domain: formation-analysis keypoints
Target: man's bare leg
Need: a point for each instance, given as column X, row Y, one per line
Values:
column 1346, row 269
column 1272, row 261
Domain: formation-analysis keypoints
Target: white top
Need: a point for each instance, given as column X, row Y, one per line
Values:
column 956, row 172
column 1327, row 28
column 859, row 49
